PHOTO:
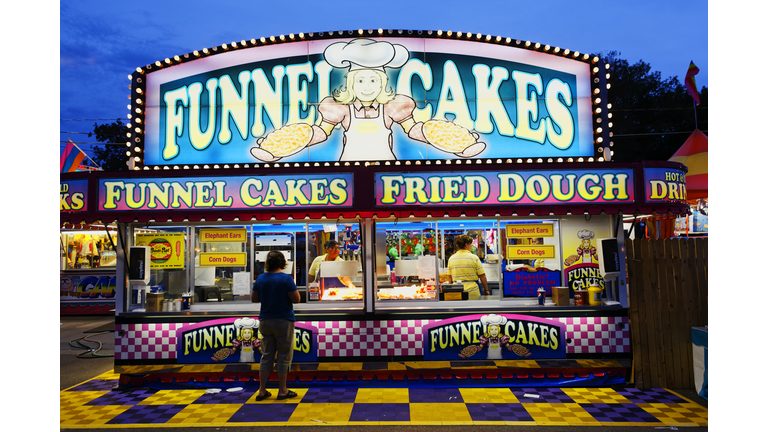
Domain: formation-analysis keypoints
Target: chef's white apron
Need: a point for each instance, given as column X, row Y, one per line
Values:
column 246, row 355
column 494, row 351
column 367, row 138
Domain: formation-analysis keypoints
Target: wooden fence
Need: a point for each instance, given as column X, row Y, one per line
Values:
column 667, row 281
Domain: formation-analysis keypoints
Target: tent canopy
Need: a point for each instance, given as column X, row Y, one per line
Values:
column 693, row 154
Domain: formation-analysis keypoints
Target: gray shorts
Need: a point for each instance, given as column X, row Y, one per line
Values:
column 276, row 341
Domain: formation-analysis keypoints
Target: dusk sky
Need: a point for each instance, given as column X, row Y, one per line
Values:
column 102, row 42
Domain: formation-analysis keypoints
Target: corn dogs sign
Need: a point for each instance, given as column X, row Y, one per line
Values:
column 362, row 99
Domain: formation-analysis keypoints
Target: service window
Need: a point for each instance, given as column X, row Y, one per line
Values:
column 406, row 262
column 335, row 258
column 221, row 264
column 87, row 249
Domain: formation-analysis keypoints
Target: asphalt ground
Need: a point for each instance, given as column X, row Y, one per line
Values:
column 86, row 351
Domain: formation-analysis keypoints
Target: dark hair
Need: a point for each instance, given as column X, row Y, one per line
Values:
column 463, row 240
column 275, row 261
column 331, row 244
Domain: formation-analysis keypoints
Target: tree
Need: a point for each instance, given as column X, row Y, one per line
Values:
column 652, row 117
column 111, row 157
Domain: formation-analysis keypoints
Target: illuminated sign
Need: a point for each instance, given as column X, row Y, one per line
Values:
column 222, row 235
column 494, row 337
column 359, row 99
column 223, row 259
column 664, row 184
column 226, row 193
column 505, row 188
column 166, row 249
column 530, row 252
column 74, row 196
column 236, row 340
column 530, row 230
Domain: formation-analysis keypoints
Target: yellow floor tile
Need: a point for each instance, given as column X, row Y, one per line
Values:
column 686, row 414
column 108, row 375
column 204, row 414
column 382, row 395
column 594, row 395
column 531, row 364
column 599, row 363
column 429, row 365
column 273, row 399
column 396, row 366
column 88, row 416
column 202, row 368
column 389, row 423
column 326, row 412
column 173, row 397
column 559, row 413
column 439, row 412
column 365, row 423
column 77, row 398
column 340, row 366
column 520, row 423
column 489, row 423
column 488, row 395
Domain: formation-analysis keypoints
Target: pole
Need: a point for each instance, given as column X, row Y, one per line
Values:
column 695, row 116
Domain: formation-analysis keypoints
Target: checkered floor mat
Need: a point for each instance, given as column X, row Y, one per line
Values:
column 100, row 403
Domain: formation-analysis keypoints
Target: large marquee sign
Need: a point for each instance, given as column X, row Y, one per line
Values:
column 364, row 99
column 517, row 187
column 226, row 192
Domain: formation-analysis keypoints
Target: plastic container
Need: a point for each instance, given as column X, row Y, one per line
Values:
column 580, row 297
column 595, row 295
column 542, row 294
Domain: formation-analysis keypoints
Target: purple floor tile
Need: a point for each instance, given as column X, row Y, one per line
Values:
column 498, row 412
column 657, row 395
column 96, row 385
column 617, row 412
column 122, row 397
column 330, row 395
column 546, row 395
column 225, row 397
column 380, row 412
column 142, row 414
column 263, row 413
column 432, row 395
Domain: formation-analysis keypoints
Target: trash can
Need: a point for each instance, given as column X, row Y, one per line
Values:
column 700, row 340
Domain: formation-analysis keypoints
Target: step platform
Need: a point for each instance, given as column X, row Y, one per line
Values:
column 486, row 373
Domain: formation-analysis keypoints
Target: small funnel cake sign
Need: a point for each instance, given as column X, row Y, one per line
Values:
column 494, row 337
column 236, row 340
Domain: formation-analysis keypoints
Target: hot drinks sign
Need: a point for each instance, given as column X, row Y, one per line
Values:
column 364, row 99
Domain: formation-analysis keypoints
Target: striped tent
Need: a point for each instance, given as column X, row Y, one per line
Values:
column 693, row 154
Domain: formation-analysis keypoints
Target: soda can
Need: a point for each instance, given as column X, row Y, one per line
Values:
column 542, row 293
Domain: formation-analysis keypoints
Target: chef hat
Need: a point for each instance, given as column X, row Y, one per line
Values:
column 250, row 323
column 493, row 319
column 585, row 234
column 365, row 54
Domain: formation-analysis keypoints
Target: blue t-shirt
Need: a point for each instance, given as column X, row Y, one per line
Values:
column 273, row 289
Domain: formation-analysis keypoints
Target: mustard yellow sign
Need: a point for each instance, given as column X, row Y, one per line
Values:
column 222, row 235
column 166, row 249
column 530, row 252
column 530, row 230
column 222, row 259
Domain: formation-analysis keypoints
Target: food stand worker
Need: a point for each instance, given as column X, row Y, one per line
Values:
column 332, row 254
column 466, row 267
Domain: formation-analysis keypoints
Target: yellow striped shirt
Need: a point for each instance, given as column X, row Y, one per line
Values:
column 466, row 267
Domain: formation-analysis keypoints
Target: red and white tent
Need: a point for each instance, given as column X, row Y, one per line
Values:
column 693, row 154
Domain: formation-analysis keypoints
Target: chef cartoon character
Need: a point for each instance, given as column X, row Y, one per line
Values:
column 366, row 108
column 247, row 342
column 493, row 339
column 586, row 251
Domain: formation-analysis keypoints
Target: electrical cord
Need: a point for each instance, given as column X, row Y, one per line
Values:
column 92, row 351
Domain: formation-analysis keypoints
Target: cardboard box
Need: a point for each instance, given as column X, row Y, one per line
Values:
column 560, row 296
column 155, row 302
